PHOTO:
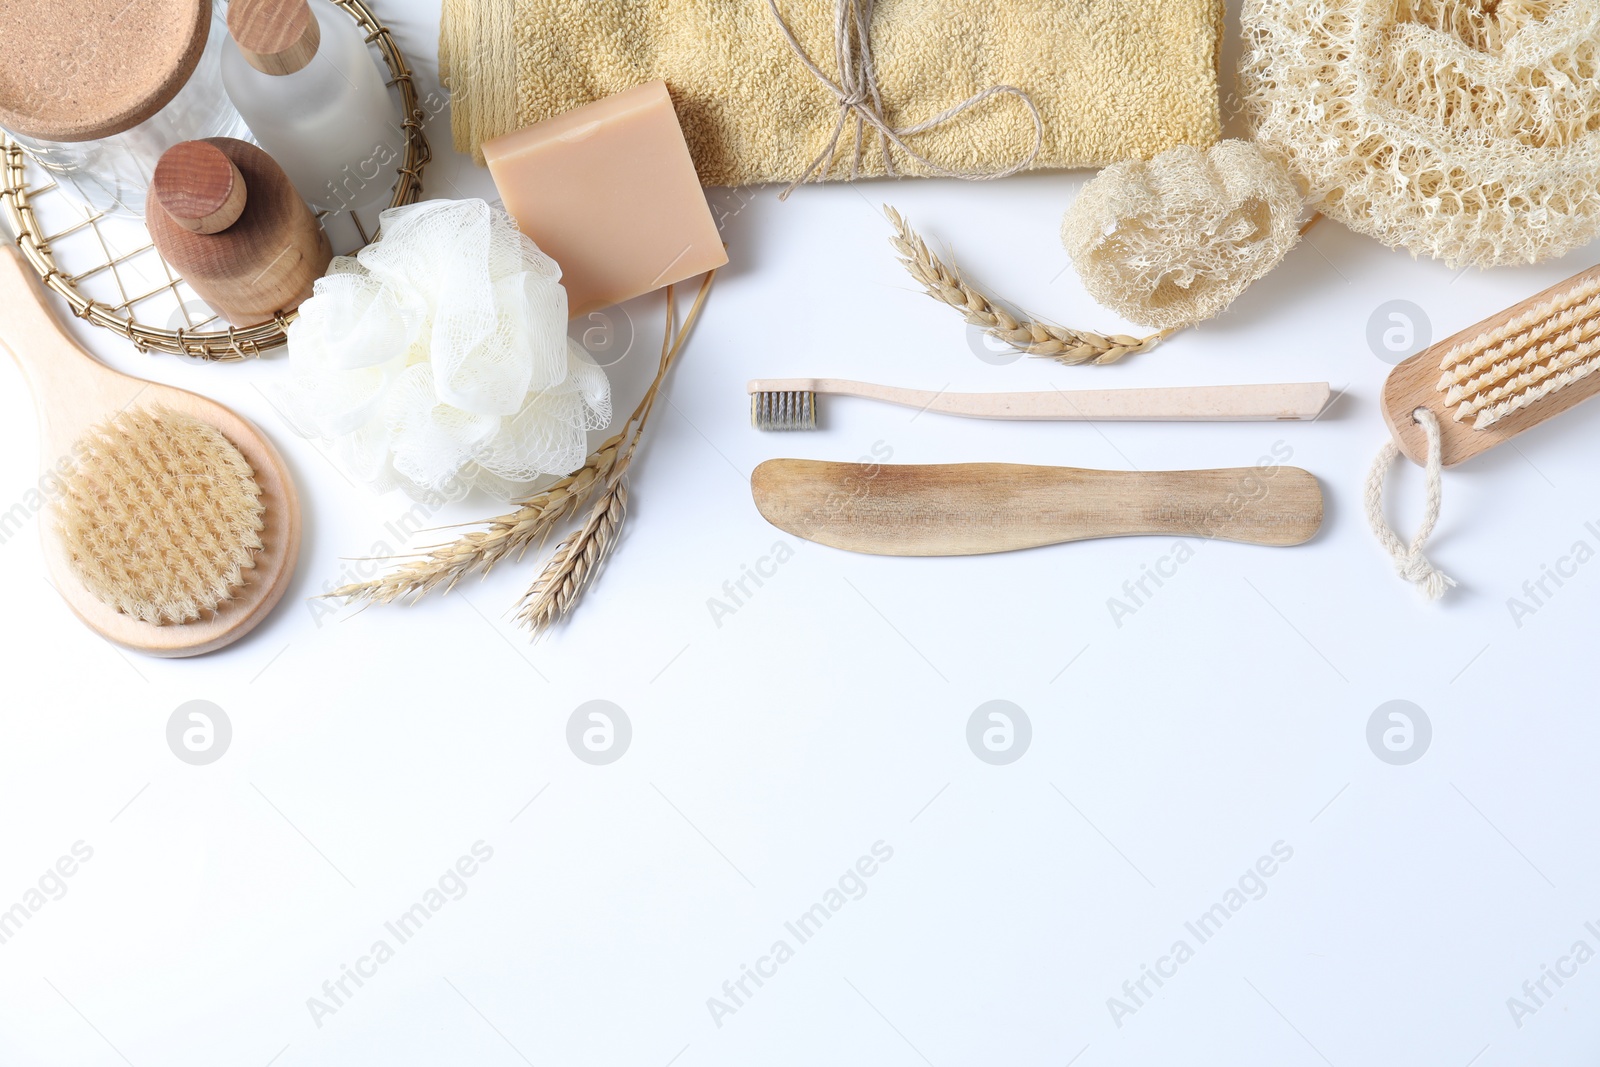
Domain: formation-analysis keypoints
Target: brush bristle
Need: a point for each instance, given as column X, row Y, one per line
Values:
column 794, row 410
column 1530, row 356
column 161, row 517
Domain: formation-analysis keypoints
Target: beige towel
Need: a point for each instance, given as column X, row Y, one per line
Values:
column 1112, row 79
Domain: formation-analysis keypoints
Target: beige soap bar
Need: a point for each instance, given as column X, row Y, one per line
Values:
column 609, row 192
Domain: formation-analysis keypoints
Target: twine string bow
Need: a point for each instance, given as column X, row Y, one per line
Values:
column 860, row 102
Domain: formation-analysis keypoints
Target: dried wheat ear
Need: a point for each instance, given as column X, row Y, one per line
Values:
column 577, row 559
column 945, row 283
column 161, row 517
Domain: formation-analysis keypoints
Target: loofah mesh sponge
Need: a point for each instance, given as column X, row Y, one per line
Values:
column 1173, row 241
column 1467, row 130
column 161, row 517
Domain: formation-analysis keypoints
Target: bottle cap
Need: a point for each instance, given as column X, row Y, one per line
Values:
column 199, row 187
column 275, row 36
column 89, row 69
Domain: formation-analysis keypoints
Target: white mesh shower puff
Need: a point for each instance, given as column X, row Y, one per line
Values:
column 1466, row 130
column 439, row 357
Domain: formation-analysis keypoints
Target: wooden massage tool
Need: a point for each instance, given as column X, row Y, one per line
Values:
column 225, row 216
column 175, row 526
column 1480, row 388
column 963, row 509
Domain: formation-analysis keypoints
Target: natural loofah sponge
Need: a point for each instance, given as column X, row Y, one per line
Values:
column 438, row 357
column 1467, row 130
column 1173, row 241
column 161, row 517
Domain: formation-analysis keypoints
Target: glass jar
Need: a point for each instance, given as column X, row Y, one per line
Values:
column 105, row 153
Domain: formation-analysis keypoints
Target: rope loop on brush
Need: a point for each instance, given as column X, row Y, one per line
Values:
column 1409, row 561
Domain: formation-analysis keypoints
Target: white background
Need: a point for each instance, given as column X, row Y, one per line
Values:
column 829, row 712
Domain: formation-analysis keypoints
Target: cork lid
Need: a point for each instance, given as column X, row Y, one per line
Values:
column 275, row 36
column 88, row 69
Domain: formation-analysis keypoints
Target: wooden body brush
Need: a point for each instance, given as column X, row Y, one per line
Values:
column 176, row 527
column 1480, row 388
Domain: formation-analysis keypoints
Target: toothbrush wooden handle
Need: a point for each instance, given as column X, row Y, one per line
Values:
column 1207, row 403
column 962, row 509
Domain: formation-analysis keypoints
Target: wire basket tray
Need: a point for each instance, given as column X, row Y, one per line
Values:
column 131, row 273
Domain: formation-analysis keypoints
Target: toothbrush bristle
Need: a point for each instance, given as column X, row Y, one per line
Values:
column 793, row 410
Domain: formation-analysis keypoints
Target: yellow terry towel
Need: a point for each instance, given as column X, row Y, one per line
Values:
column 1111, row 79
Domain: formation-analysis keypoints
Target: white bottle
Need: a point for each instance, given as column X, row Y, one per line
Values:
column 300, row 73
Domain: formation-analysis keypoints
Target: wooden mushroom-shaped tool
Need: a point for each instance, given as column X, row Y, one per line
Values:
column 225, row 216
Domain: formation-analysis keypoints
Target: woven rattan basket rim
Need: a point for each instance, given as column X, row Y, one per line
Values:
column 233, row 343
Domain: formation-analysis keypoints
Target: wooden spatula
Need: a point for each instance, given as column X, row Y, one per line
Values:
column 963, row 509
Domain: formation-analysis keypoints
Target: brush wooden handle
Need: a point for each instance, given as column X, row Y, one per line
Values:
column 72, row 392
column 1413, row 384
column 1205, row 403
column 963, row 509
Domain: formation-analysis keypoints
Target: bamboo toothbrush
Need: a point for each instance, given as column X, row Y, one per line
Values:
column 1480, row 388
column 176, row 526
column 791, row 403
